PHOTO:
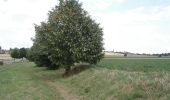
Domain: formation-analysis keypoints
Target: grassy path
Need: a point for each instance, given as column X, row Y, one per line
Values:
column 24, row 81
column 64, row 91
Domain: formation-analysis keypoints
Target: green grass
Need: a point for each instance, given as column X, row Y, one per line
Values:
column 22, row 81
column 111, row 79
column 139, row 65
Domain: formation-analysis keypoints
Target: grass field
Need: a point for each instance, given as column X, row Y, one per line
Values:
column 111, row 79
column 137, row 64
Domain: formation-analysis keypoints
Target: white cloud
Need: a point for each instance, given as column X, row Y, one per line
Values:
column 135, row 30
column 17, row 19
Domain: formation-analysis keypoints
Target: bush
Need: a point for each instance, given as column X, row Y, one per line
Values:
column 1, row 62
column 41, row 60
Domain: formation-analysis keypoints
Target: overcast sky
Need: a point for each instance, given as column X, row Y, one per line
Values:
column 139, row 26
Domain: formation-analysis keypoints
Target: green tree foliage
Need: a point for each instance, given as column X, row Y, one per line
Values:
column 69, row 36
column 15, row 53
column 22, row 52
column 30, row 55
column 125, row 54
column 40, row 60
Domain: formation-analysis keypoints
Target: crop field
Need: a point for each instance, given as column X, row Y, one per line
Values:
column 111, row 79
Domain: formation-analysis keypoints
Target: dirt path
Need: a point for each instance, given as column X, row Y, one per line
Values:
column 64, row 91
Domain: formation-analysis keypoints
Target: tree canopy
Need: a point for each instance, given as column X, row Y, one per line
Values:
column 22, row 52
column 68, row 36
column 15, row 53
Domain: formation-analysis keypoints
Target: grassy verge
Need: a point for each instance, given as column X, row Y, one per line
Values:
column 105, row 84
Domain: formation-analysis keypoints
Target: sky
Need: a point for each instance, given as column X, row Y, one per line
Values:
column 139, row 26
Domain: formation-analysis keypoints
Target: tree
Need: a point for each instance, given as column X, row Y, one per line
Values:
column 22, row 53
column 69, row 36
column 125, row 54
column 15, row 53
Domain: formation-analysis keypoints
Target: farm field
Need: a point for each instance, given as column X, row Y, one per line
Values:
column 111, row 79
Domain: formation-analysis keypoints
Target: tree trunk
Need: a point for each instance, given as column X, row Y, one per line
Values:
column 68, row 65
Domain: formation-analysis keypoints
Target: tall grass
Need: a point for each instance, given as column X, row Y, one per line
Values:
column 124, row 79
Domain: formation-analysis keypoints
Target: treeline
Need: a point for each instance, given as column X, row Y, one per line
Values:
column 162, row 55
column 17, row 53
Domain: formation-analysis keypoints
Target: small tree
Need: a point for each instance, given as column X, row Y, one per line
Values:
column 15, row 53
column 125, row 54
column 22, row 53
